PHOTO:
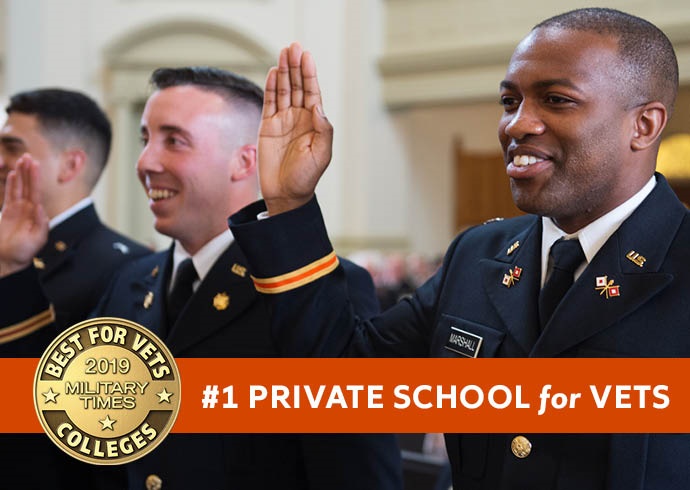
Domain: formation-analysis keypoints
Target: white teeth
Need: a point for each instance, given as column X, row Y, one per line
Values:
column 158, row 194
column 525, row 160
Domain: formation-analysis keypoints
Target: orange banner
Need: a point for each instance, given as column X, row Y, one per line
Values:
column 408, row 395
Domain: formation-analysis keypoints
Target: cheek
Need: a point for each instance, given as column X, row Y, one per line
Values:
column 502, row 136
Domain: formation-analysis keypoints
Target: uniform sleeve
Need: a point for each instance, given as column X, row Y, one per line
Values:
column 26, row 316
column 360, row 287
column 297, row 270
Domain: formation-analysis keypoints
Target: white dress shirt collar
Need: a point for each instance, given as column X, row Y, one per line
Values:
column 593, row 236
column 69, row 212
column 205, row 258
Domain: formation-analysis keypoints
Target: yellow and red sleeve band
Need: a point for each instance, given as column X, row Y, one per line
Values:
column 297, row 278
column 24, row 328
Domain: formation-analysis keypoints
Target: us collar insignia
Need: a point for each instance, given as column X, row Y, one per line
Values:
column 513, row 247
column 238, row 269
column 512, row 276
column 154, row 272
column 221, row 301
column 636, row 258
column 605, row 286
column 38, row 263
column 60, row 246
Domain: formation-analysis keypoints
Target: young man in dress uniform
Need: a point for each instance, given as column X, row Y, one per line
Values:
column 197, row 166
column 70, row 136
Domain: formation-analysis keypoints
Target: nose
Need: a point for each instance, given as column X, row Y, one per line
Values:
column 149, row 161
column 524, row 121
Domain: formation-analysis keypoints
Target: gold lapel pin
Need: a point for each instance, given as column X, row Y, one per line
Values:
column 221, row 301
column 148, row 300
column 39, row 264
column 238, row 269
column 512, row 276
column 513, row 247
column 636, row 258
column 154, row 272
column 606, row 286
column 60, row 246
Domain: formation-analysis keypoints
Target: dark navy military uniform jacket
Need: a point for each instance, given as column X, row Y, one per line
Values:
column 74, row 269
column 650, row 318
column 243, row 461
column 229, row 461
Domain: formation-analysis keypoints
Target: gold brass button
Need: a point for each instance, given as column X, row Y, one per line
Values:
column 521, row 447
column 154, row 482
column 60, row 246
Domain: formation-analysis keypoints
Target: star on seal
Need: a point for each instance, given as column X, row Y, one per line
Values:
column 107, row 423
column 164, row 396
column 51, row 396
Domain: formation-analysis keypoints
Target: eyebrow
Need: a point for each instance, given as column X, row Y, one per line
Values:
column 168, row 128
column 542, row 84
column 11, row 140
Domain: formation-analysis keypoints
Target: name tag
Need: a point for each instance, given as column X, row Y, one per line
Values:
column 464, row 343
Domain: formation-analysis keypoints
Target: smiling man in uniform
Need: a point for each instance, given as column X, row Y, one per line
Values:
column 197, row 165
column 586, row 97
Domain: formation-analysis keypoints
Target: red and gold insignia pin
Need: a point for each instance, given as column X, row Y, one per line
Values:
column 605, row 286
column 512, row 276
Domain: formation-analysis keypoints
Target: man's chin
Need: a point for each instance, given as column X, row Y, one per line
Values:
column 160, row 227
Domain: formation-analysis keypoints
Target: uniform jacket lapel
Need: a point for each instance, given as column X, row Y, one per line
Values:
column 149, row 292
column 222, row 296
column 584, row 311
column 63, row 241
column 517, row 304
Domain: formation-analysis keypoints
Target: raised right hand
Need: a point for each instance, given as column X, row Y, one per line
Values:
column 24, row 224
column 295, row 138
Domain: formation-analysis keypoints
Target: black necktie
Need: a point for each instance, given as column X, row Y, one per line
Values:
column 567, row 255
column 182, row 289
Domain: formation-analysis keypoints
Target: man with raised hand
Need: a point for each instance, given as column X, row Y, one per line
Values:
column 75, row 259
column 198, row 165
column 70, row 136
column 586, row 96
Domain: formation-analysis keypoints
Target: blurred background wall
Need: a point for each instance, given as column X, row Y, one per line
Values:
column 410, row 86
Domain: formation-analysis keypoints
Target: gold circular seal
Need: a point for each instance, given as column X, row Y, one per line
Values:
column 107, row 391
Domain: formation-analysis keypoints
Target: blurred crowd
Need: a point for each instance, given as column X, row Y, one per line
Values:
column 396, row 274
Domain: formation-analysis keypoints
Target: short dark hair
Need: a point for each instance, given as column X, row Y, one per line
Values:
column 231, row 86
column 65, row 114
column 652, row 67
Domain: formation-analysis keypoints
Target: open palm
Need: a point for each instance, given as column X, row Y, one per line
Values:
column 295, row 138
column 24, row 224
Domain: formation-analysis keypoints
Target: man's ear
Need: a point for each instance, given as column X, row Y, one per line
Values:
column 650, row 121
column 72, row 165
column 244, row 163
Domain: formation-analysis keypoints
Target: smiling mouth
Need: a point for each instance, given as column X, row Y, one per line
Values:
column 161, row 194
column 526, row 160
